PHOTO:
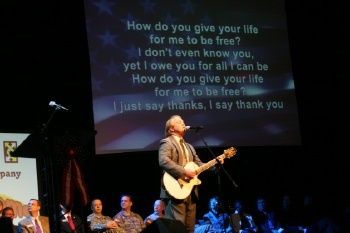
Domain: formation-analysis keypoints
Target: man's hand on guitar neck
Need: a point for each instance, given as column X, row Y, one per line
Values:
column 190, row 174
column 221, row 160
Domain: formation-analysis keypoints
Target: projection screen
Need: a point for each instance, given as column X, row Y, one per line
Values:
column 223, row 65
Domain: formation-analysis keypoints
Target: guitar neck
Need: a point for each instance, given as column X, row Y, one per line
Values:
column 207, row 165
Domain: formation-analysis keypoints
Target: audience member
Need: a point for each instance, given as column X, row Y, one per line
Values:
column 215, row 220
column 100, row 223
column 127, row 220
column 287, row 215
column 10, row 213
column 158, row 212
column 34, row 222
column 344, row 220
column 173, row 156
column 265, row 217
column 1, row 207
column 70, row 223
column 310, row 212
column 242, row 222
column 313, row 218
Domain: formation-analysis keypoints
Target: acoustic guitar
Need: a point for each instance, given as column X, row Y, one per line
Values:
column 180, row 188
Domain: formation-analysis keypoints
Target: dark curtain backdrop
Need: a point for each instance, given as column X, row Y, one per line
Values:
column 45, row 58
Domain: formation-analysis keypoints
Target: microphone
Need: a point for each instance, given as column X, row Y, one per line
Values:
column 57, row 106
column 194, row 127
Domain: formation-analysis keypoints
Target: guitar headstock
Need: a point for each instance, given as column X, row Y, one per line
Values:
column 230, row 152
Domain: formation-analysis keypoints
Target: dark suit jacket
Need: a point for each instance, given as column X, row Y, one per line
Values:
column 78, row 223
column 26, row 225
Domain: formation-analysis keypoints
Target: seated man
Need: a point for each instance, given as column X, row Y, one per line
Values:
column 216, row 220
column 1, row 207
column 242, row 222
column 10, row 213
column 100, row 223
column 158, row 208
column 70, row 223
column 265, row 217
column 127, row 220
column 34, row 222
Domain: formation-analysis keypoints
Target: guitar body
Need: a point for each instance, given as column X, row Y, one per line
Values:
column 179, row 188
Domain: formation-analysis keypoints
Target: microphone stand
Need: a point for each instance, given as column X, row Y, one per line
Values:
column 221, row 167
column 37, row 145
column 48, row 175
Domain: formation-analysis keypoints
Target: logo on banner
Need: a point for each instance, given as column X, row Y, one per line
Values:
column 10, row 146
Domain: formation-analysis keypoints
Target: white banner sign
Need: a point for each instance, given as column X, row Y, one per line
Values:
column 18, row 176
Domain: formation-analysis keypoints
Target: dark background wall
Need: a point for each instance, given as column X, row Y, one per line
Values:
column 45, row 57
